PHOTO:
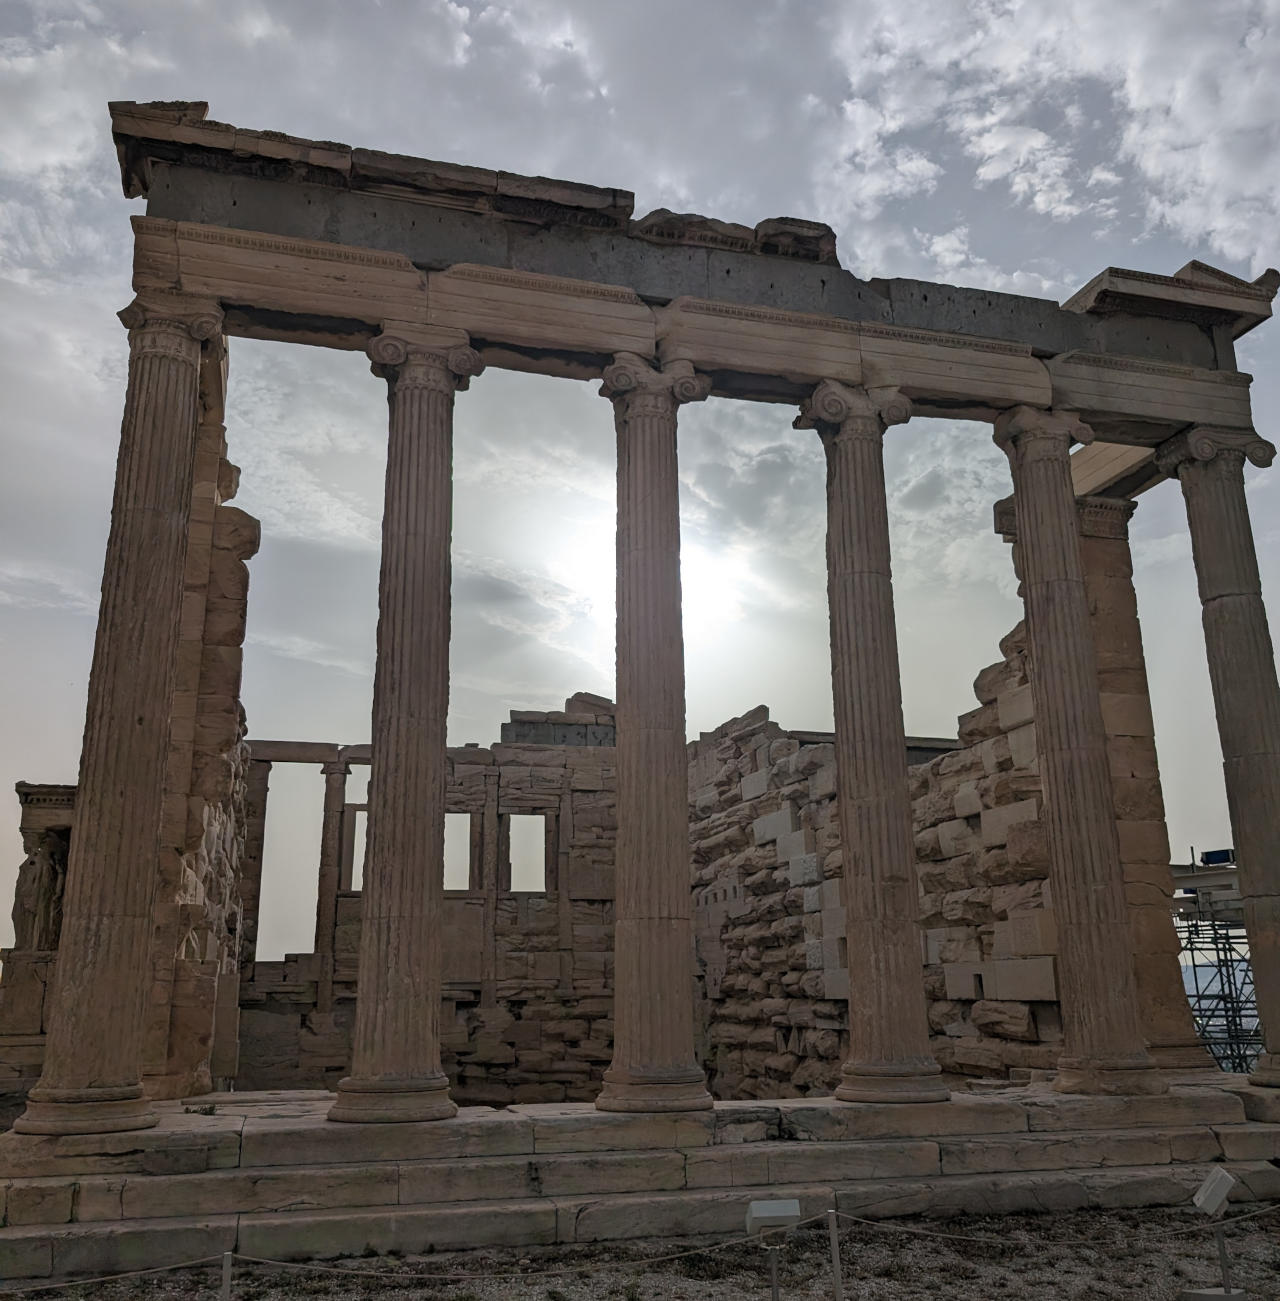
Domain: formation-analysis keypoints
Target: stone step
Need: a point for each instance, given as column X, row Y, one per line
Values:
column 37, row 1251
column 290, row 1129
column 388, row 1183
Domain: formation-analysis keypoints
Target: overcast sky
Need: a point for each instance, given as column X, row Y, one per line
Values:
column 999, row 144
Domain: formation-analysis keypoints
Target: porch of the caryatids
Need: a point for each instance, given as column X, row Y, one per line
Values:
column 654, row 1066
column 1209, row 464
column 889, row 1058
column 395, row 1070
column 1104, row 1050
column 92, row 1076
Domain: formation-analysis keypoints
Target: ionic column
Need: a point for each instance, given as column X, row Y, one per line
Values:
column 91, row 1082
column 889, row 1058
column 395, row 1068
column 1209, row 463
column 335, row 799
column 1103, row 1043
column 653, row 1067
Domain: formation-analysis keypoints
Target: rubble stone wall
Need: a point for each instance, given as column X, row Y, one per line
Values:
column 769, row 921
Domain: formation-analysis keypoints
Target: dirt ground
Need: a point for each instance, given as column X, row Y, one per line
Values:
column 1086, row 1254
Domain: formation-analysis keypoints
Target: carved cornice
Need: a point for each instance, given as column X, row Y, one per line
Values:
column 313, row 248
column 763, row 315
column 1242, row 287
column 978, row 343
column 1026, row 429
column 1105, row 517
column 411, row 365
column 1097, row 517
column 540, row 283
column 838, row 325
column 630, row 377
column 1168, row 369
column 1204, row 443
column 835, row 408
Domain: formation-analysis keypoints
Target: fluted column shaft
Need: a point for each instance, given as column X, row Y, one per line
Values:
column 395, row 1067
column 335, row 799
column 1242, row 671
column 889, row 1058
column 91, row 1082
column 653, row 1067
column 1104, row 1048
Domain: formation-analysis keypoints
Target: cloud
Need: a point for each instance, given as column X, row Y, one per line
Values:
column 996, row 143
column 28, row 586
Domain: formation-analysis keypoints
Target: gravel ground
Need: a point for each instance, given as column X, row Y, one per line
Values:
column 1085, row 1254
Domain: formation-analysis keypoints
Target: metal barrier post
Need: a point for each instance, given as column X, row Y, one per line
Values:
column 226, row 1276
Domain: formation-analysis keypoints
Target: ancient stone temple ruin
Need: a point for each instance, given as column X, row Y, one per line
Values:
column 768, row 959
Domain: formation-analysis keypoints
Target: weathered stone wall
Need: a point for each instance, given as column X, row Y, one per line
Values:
column 766, row 870
column 195, row 942
column 528, row 976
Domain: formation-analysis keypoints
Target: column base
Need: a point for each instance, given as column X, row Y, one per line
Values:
column 1187, row 1055
column 1266, row 1071
column 382, row 1102
column 672, row 1091
column 917, row 1080
column 86, row 1111
column 1119, row 1077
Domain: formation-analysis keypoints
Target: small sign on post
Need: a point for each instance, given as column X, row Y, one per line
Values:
column 1210, row 1198
column 779, row 1214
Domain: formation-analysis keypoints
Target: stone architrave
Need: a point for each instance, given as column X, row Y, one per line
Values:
column 1209, row 464
column 889, row 1058
column 1104, row 1048
column 91, row 1082
column 335, row 800
column 654, row 1067
column 395, row 1067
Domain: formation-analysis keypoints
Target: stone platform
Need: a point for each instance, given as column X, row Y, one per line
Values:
column 268, row 1176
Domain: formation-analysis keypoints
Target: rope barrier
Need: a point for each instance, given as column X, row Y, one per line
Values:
column 633, row 1262
column 1205, row 1226
column 109, row 1278
column 637, row 1262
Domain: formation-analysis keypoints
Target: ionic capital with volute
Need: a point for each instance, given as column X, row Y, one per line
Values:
column 1203, row 443
column 635, row 387
column 161, row 323
column 843, row 410
column 1043, row 435
column 408, row 364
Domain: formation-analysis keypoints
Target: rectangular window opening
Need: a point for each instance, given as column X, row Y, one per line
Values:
column 457, row 851
column 527, row 838
column 361, row 815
